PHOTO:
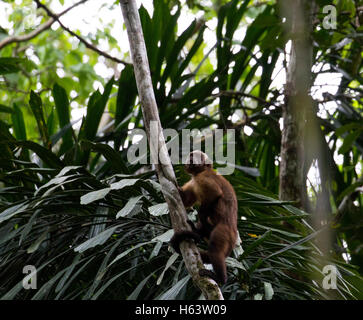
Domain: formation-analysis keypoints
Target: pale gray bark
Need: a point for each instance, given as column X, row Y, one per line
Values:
column 163, row 166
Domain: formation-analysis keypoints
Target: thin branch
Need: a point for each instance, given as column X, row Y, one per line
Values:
column 85, row 42
column 28, row 36
column 38, row 30
column 159, row 152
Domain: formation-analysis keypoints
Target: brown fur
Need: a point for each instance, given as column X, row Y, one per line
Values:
column 217, row 214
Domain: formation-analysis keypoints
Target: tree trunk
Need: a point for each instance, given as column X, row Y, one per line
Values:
column 158, row 148
column 301, row 136
column 297, row 103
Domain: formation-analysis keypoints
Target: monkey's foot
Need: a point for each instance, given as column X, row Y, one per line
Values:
column 209, row 274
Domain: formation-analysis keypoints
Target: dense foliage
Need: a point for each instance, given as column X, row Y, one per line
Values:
column 97, row 227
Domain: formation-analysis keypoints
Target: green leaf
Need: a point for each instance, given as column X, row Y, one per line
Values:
column 66, row 169
column 166, row 44
column 178, row 46
column 46, row 155
column 51, row 124
column 34, row 247
column 57, row 180
column 62, row 106
column 18, row 123
column 126, row 94
column 234, row 263
column 123, row 183
column 36, row 106
column 113, row 157
column 99, row 222
column 350, row 126
column 95, row 109
column 159, row 209
column 74, row 276
column 169, row 263
column 109, row 282
column 6, row 109
column 10, row 65
column 165, row 237
column 149, row 35
column 100, row 194
column 178, row 79
column 172, row 293
column 94, row 196
column 29, row 226
column 256, row 243
column 102, row 270
column 125, row 253
column 19, row 286
column 156, row 250
column 136, row 292
column 12, row 211
column 46, row 287
column 67, row 274
column 130, row 205
column 303, row 240
column 349, row 140
column 101, row 238
column 349, row 190
column 60, row 134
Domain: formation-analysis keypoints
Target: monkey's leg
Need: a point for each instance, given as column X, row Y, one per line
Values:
column 180, row 236
column 219, row 266
column 204, row 228
column 220, row 246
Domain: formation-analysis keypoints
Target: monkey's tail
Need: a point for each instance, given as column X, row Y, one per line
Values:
column 180, row 236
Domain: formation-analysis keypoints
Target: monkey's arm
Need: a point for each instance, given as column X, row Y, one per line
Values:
column 210, row 191
column 188, row 195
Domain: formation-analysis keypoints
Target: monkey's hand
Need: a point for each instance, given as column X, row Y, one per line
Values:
column 180, row 236
column 188, row 197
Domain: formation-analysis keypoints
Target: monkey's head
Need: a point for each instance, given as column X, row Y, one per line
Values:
column 197, row 161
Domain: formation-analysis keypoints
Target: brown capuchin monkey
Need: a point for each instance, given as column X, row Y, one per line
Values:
column 217, row 214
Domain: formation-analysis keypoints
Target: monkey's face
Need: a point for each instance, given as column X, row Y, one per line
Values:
column 196, row 162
